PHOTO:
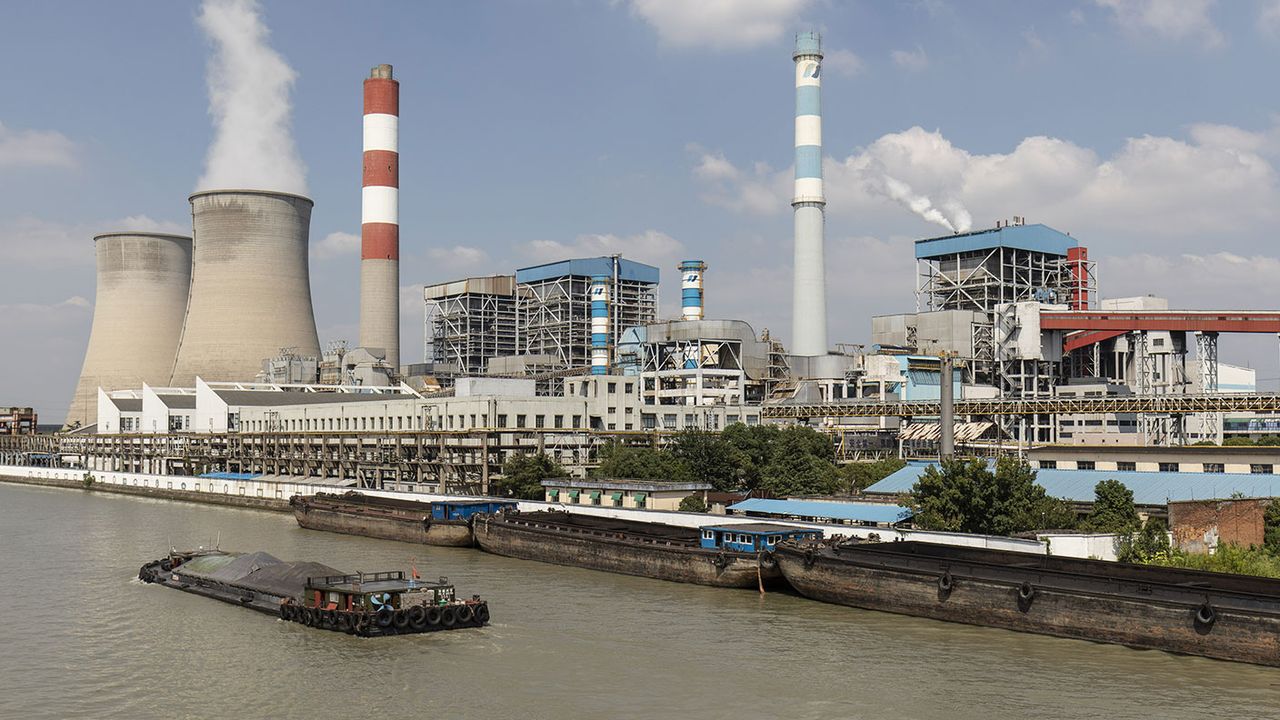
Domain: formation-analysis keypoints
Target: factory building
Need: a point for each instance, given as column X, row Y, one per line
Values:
column 468, row 322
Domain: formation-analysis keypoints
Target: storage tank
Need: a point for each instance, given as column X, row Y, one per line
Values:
column 250, row 285
column 142, row 285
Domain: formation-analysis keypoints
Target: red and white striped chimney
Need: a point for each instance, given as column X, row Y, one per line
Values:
column 380, row 217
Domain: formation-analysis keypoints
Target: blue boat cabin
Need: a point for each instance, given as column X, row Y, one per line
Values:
column 464, row 509
column 753, row 537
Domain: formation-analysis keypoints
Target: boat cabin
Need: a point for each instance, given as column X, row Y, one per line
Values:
column 464, row 509
column 373, row 591
column 753, row 537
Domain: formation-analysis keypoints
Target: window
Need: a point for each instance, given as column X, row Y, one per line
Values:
column 559, row 421
column 708, row 534
column 730, row 419
column 629, row 388
column 595, row 497
column 1084, row 465
column 648, row 421
column 1048, row 464
column 669, row 421
column 540, row 421
column 1214, row 467
column 1168, row 467
column 520, row 421
column 613, row 388
column 617, row 499
column 1260, row 469
column 775, row 539
column 502, row 421
column 577, row 421
column 1127, row 465
column 613, row 410
column 744, row 539
column 574, row 495
column 639, row 499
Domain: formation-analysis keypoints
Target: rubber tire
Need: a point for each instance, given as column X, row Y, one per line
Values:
column 346, row 623
column 384, row 617
column 448, row 617
column 482, row 613
column 1205, row 618
column 417, row 618
column 465, row 614
column 433, row 616
column 305, row 616
column 166, row 565
column 400, row 619
column 284, row 611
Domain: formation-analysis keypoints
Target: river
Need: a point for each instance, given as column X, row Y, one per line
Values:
column 81, row 637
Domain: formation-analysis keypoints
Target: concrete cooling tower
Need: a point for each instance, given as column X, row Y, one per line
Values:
column 250, row 285
column 143, row 282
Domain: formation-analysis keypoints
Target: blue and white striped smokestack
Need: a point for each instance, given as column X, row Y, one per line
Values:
column 809, row 291
column 691, row 272
column 600, row 324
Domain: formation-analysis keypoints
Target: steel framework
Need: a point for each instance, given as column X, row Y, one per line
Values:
column 1171, row 404
column 554, row 316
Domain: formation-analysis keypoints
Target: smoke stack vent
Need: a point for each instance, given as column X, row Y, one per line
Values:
column 380, row 217
column 809, row 299
column 599, row 324
column 691, row 274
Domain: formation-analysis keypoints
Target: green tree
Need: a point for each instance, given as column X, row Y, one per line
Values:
column 754, row 444
column 1236, row 441
column 710, row 458
column 640, row 463
column 1271, row 528
column 522, row 476
column 858, row 476
column 1113, row 509
column 1268, row 440
column 964, row 495
column 1148, row 545
column 801, row 462
column 694, row 503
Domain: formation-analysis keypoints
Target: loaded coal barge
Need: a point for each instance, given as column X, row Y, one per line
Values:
column 365, row 604
column 446, row 523
column 736, row 556
column 1217, row 615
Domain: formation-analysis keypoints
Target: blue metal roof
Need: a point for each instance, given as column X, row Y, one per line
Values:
column 230, row 476
column 587, row 267
column 859, row 512
column 1036, row 238
column 1149, row 488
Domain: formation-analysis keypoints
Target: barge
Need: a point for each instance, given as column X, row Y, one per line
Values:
column 446, row 523
column 736, row 556
column 1216, row 615
column 364, row 604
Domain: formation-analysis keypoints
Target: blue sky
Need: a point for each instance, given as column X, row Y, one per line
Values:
column 661, row 129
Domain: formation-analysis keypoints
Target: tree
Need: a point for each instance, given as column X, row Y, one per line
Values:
column 1151, row 544
column 710, row 458
column 1271, row 528
column 858, row 476
column 640, row 463
column 964, row 495
column 754, row 443
column 693, row 503
column 800, row 463
column 1236, row 441
column 522, row 476
column 1113, row 509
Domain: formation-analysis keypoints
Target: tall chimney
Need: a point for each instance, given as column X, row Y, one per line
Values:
column 380, row 217
column 691, row 272
column 809, row 291
column 600, row 324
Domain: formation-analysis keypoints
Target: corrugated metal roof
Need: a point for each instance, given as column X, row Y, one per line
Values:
column 1036, row 238
column 179, row 402
column 859, row 512
column 586, row 267
column 127, row 404
column 1149, row 488
column 271, row 398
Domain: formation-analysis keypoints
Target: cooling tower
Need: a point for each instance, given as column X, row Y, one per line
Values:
column 143, row 281
column 250, row 286
column 809, row 298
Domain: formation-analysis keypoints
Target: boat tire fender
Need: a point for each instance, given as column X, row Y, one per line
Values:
column 1026, row 594
column 1205, row 617
column 330, row 618
column 346, row 623
column 721, row 560
column 433, row 616
column 417, row 616
column 400, row 619
column 482, row 613
column 384, row 617
column 810, row 558
column 448, row 617
column 304, row 616
column 465, row 614
column 946, row 582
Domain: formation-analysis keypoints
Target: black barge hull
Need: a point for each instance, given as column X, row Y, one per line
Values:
column 617, row 546
column 1214, row 615
column 379, row 517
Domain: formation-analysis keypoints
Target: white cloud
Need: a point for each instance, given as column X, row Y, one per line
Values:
column 1167, row 19
column 760, row 191
column 844, row 62
column 35, row 148
column 1197, row 280
column 31, row 241
column 1269, row 17
column 719, row 24
column 458, row 257
column 336, row 244
column 913, row 60
column 651, row 246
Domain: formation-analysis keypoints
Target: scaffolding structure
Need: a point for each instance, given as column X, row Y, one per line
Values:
column 470, row 321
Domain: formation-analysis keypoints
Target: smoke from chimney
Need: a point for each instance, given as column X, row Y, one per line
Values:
column 249, row 100
column 950, row 214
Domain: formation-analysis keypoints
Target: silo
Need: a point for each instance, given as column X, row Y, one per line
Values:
column 143, row 282
column 250, row 285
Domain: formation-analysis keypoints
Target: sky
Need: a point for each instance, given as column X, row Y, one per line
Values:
column 661, row 129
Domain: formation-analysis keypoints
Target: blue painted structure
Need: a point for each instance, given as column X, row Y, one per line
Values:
column 464, row 509
column 1036, row 238
column 1149, row 488
column 599, row 324
column 231, row 476
column 752, row 537
column 587, row 267
column 871, row 513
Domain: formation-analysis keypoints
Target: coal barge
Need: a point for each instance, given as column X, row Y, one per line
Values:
column 737, row 556
column 364, row 604
column 1216, row 615
column 446, row 523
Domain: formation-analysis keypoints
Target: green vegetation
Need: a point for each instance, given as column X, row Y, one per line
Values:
column 1271, row 528
column 859, row 476
column 641, row 463
column 966, row 496
column 87, row 480
column 1113, row 509
column 522, row 476
column 693, row 503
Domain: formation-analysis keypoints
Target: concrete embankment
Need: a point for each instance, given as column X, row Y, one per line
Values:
column 160, row 493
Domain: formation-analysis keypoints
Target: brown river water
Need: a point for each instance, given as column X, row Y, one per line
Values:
column 81, row 637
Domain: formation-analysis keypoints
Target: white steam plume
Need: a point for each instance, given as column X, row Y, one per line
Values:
column 950, row 214
column 249, row 86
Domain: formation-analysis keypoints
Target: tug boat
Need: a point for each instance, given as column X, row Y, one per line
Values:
column 316, row 595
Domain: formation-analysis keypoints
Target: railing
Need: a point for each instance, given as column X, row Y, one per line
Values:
column 1173, row 404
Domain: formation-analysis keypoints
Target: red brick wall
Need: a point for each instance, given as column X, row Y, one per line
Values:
column 1199, row 525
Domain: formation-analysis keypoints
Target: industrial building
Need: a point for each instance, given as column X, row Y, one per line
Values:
column 469, row 322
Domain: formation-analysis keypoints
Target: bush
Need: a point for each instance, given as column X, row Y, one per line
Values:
column 522, row 476
column 1226, row 559
column 88, row 480
column 694, row 503
column 1113, row 509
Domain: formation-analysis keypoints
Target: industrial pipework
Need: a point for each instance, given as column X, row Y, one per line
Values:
column 691, row 272
column 600, row 324
column 809, row 298
column 143, row 283
column 380, row 217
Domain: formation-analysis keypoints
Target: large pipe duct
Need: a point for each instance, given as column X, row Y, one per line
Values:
column 250, row 285
column 691, row 274
column 809, row 298
column 380, row 217
column 599, row 324
column 143, row 282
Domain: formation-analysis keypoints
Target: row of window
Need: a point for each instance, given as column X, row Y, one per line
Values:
column 1130, row 466
column 574, row 497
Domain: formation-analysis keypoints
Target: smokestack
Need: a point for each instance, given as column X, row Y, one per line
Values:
column 599, row 324
column 250, row 285
column 380, row 217
column 809, row 298
column 691, row 272
column 143, row 282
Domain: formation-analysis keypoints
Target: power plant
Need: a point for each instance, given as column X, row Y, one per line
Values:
column 143, row 280
column 380, row 217
column 809, row 286
column 250, row 285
